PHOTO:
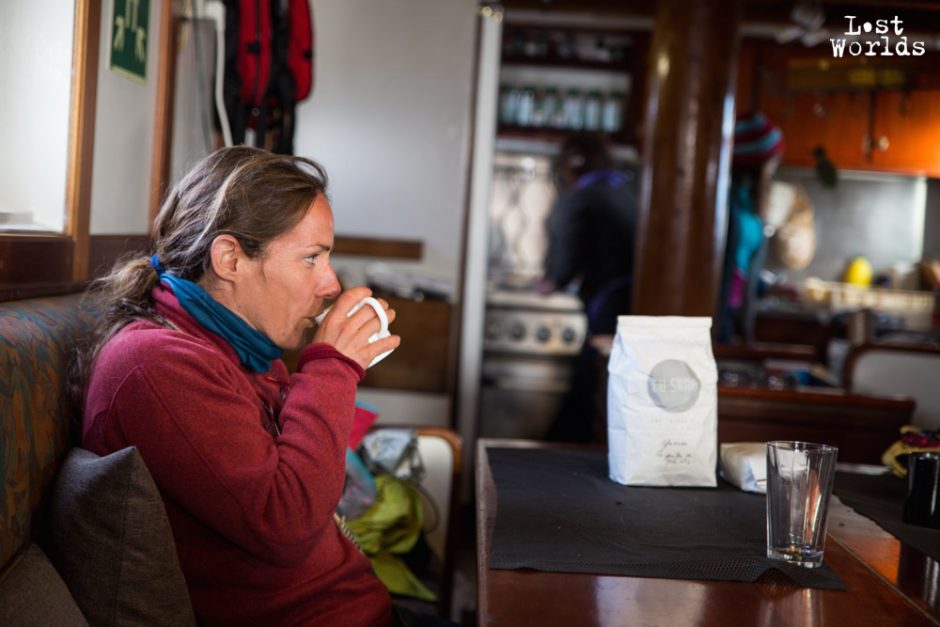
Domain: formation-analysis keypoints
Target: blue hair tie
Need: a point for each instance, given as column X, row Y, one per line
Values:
column 156, row 265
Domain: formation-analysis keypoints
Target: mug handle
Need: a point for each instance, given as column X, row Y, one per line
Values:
column 383, row 331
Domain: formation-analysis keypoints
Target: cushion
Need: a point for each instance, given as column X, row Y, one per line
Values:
column 110, row 539
column 36, row 417
column 33, row 595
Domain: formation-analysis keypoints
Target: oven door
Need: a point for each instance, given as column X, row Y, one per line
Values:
column 520, row 396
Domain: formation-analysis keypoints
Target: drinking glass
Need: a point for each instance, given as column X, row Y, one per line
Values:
column 799, row 483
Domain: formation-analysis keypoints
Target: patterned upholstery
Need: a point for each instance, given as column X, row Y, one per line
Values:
column 36, row 418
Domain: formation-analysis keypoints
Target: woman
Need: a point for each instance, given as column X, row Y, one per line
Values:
column 249, row 460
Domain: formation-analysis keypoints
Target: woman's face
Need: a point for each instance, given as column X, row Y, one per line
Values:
column 286, row 287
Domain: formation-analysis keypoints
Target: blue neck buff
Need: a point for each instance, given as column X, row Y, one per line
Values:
column 253, row 347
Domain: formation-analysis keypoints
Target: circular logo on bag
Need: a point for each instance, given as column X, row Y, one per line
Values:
column 673, row 386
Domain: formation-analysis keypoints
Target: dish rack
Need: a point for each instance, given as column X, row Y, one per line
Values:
column 914, row 306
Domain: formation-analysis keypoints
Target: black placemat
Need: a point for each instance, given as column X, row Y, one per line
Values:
column 881, row 498
column 558, row 511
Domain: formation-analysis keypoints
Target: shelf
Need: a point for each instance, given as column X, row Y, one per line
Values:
column 551, row 134
column 531, row 145
column 567, row 64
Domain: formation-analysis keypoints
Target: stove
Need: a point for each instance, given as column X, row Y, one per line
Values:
column 523, row 322
column 529, row 348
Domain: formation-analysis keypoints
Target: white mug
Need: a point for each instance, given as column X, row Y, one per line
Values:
column 383, row 331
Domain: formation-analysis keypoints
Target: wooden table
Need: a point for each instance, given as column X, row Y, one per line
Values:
column 886, row 584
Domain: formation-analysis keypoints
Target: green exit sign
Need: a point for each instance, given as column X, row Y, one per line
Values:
column 129, row 26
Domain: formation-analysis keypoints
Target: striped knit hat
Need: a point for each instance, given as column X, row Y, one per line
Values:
column 756, row 139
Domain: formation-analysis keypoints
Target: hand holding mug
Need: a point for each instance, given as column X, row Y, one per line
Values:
column 357, row 326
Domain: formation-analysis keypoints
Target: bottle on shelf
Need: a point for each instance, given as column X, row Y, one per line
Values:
column 549, row 108
column 508, row 104
column 514, row 44
column 612, row 112
column 556, row 110
column 539, row 108
column 573, row 110
column 592, row 111
column 601, row 51
column 536, row 44
column 563, row 46
column 525, row 110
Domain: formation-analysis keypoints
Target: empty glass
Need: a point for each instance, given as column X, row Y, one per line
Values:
column 799, row 483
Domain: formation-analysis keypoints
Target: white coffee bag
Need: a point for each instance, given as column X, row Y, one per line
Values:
column 662, row 402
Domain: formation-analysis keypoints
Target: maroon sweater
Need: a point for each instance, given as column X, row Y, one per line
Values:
column 251, row 513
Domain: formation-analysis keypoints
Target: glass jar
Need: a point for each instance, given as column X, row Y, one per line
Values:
column 592, row 111
column 525, row 110
column 573, row 117
column 549, row 107
column 538, row 108
column 556, row 116
column 612, row 112
column 508, row 104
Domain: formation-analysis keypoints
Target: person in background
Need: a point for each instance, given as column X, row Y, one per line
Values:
column 758, row 148
column 249, row 460
column 591, row 241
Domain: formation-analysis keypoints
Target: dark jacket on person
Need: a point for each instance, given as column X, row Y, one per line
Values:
column 591, row 237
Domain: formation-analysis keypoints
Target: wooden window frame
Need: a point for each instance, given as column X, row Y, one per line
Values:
column 37, row 264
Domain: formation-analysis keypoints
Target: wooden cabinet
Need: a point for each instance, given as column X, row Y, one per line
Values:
column 422, row 362
column 906, row 132
column 836, row 121
column 884, row 129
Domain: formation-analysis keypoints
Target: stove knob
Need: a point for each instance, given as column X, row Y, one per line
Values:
column 568, row 335
column 492, row 331
column 517, row 331
column 542, row 334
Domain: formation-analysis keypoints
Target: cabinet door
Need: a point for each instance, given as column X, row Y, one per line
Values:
column 907, row 132
column 837, row 121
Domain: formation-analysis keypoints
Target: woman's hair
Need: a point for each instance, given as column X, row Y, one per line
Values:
column 248, row 193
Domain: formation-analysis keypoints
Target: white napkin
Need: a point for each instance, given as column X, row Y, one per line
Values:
column 744, row 465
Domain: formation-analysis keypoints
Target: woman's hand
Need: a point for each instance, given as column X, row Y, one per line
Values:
column 350, row 334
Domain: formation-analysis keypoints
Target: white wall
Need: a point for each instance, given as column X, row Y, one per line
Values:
column 194, row 103
column 35, row 83
column 124, row 121
column 389, row 119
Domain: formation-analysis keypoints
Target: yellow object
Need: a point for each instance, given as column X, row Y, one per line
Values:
column 859, row 272
column 895, row 458
column 388, row 529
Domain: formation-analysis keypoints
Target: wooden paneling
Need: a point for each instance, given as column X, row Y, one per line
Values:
column 33, row 266
column 812, row 329
column 421, row 363
column 760, row 351
column 378, row 247
column 26, row 259
column 37, row 290
column 863, row 427
column 104, row 250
